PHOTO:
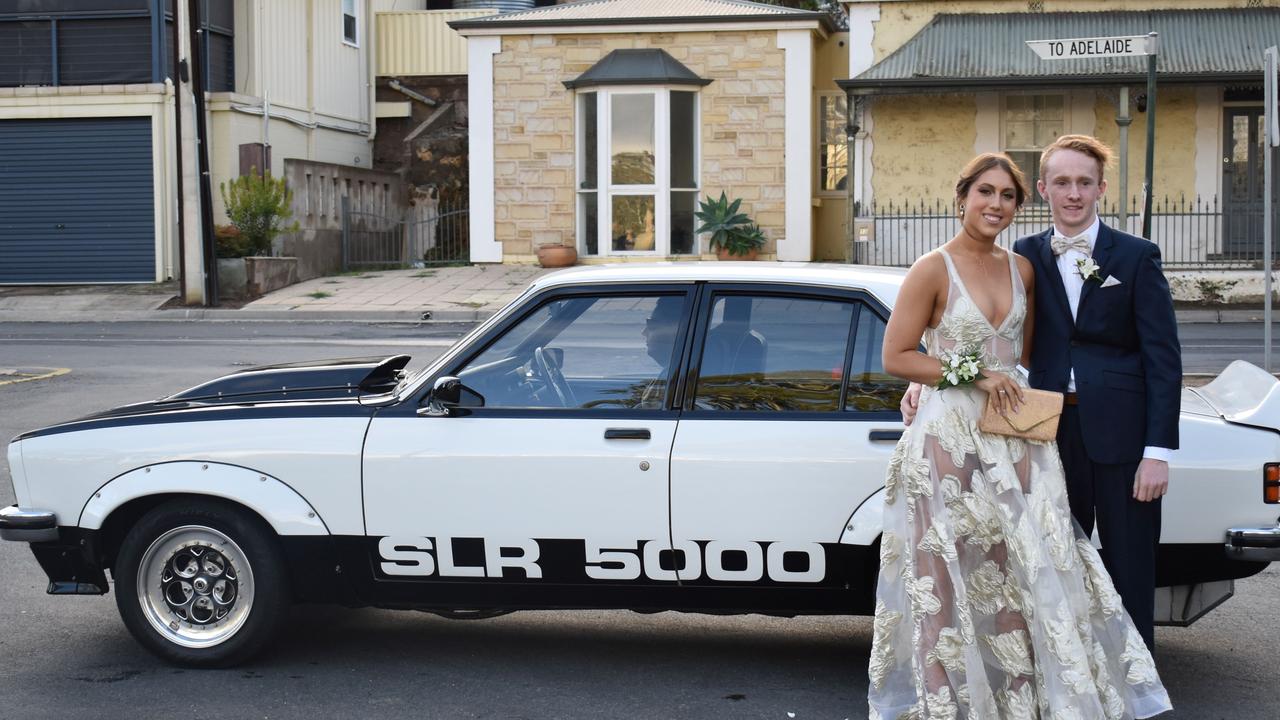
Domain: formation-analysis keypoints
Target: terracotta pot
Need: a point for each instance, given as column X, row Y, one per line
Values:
column 723, row 254
column 555, row 256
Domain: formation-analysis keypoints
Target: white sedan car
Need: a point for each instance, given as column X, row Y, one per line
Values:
column 706, row 437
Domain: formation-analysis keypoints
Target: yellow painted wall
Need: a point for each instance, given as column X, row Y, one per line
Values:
column 1175, row 158
column 921, row 142
column 900, row 21
column 422, row 43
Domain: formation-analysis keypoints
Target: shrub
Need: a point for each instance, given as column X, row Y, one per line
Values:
column 258, row 205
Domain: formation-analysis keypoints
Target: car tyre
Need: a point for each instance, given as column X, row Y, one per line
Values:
column 201, row 583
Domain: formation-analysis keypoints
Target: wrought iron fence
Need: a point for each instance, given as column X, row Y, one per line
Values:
column 439, row 231
column 435, row 232
column 1191, row 233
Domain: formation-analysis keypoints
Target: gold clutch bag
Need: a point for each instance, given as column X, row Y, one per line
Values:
column 1036, row 419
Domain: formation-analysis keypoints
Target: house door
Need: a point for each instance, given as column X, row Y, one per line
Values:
column 1243, row 182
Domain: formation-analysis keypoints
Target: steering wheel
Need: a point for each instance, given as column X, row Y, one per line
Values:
column 551, row 373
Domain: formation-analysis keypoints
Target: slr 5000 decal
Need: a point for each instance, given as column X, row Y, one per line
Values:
column 582, row 560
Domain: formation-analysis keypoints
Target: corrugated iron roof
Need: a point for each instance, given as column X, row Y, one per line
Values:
column 649, row 66
column 631, row 12
column 973, row 49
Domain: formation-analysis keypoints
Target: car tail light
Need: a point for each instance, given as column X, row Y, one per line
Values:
column 1271, row 483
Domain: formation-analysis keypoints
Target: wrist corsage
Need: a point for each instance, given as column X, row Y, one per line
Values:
column 1087, row 269
column 960, row 368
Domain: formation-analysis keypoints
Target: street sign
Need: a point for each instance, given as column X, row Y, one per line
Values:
column 1102, row 47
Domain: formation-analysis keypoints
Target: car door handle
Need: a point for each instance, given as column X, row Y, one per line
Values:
column 626, row 434
column 885, row 435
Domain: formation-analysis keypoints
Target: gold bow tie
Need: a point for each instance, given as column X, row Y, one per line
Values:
column 1061, row 244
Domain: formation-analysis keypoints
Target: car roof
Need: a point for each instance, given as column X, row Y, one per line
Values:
column 882, row 282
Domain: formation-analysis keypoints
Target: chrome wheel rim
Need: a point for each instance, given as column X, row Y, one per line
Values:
column 195, row 586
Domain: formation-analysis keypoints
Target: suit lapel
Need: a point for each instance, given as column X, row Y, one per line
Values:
column 1101, row 253
column 1050, row 263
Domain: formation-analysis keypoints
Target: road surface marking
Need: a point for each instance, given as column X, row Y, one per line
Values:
column 15, row 377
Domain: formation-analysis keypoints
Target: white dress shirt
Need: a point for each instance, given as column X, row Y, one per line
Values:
column 1074, row 284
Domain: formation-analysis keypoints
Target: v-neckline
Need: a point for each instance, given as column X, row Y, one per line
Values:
column 1013, row 294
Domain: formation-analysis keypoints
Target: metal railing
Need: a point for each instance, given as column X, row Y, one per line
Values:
column 431, row 233
column 1191, row 233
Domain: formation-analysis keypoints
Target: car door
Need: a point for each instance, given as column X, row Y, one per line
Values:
column 788, row 425
column 558, row 477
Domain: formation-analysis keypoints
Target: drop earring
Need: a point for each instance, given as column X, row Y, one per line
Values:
column 961, row 212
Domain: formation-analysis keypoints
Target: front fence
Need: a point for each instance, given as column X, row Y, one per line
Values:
column 1191, row 233
column 435, row 232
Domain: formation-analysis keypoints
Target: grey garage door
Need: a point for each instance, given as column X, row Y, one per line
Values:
column 76, row 201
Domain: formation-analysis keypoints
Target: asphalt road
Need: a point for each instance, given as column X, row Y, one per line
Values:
column 71, row 656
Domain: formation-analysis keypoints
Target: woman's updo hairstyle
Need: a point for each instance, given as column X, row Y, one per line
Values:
column 984, row 162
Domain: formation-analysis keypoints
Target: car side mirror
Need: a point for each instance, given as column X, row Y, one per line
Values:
column 449, row 393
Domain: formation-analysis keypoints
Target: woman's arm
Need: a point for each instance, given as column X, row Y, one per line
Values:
column 917, row 302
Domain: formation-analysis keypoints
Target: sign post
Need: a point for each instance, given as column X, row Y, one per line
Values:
column 1119, row 46
column 1271, row 125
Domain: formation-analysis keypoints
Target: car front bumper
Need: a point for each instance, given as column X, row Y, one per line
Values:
column 1255, row 543
column 28, row 525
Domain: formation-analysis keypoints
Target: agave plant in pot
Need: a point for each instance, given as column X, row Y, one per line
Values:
column 733, row 235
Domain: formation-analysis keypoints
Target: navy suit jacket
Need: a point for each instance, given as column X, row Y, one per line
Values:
column 1123, row 345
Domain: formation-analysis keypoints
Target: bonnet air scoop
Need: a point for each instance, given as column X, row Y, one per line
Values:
column 306, row 380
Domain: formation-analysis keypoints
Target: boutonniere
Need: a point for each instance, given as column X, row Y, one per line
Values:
column 1087, row 269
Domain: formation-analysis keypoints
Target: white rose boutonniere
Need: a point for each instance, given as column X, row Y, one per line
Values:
column 1087, row 269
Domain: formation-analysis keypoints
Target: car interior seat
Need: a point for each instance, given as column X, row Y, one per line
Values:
column 732, row 346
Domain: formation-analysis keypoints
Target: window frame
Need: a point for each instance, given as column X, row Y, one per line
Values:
column 1034, row 197
column 418, row 396
column 606, row 189
column 342, row 25
column 862, row 300
column 819, row 125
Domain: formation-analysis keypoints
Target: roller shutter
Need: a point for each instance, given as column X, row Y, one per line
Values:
column 77, row 201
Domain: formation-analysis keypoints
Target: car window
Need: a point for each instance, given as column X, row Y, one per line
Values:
column 773, row 354
column 595, row 352
column 871, row 389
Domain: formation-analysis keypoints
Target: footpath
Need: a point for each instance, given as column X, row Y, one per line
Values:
column 446, row 294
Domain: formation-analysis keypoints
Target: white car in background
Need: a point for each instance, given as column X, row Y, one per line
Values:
column 706, row 437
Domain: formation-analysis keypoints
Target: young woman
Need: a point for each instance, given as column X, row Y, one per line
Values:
column 991, row 602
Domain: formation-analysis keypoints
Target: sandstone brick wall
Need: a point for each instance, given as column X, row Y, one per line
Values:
column 534, row 155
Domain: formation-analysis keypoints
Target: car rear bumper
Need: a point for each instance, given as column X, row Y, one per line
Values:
column 28, row 525
column 1256, row 543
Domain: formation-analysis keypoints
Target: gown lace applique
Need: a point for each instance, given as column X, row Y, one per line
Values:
column 991, row 603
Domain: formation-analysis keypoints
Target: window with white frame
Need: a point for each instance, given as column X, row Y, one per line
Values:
column 1032, row 123
column 833, row 147
column 350, row 22
column 637, row 177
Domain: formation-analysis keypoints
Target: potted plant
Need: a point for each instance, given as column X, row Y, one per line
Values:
column 733, row 235
column 259, row 208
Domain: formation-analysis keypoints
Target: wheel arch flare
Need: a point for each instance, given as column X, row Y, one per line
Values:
column 282, row 507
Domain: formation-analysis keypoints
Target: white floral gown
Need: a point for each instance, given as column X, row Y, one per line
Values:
column 991, row 602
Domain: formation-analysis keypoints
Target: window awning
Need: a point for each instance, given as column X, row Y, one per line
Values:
column 982, row 52
column 637, row 67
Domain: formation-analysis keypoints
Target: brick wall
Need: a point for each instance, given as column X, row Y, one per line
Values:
column 534, row 156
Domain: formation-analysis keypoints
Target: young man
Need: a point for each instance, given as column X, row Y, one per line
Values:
column 1105, row 335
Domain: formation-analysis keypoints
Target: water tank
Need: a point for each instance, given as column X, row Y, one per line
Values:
column 502, row 6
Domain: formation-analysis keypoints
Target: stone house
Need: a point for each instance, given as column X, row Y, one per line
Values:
column 601, row 123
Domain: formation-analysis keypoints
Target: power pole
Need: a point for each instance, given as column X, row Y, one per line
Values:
column 202, row 154
column 192, row 250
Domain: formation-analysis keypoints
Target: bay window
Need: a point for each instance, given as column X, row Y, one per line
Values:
column 637, row 171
